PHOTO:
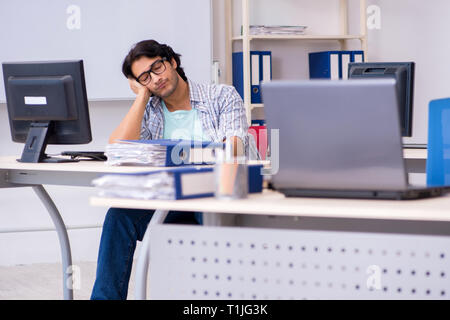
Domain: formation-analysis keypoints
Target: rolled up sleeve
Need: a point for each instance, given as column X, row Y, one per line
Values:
column 233, row 121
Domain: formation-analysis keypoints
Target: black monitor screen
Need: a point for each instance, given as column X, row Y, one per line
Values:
column 46, row 101
column 403, row 73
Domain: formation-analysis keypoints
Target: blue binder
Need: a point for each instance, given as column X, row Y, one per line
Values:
column 187, row 186
column 255, row 73
column 357, row 56
column 438, row 162
column 324, row 65
column 238, row 76
column 332, row 64
column 260, row 70
column 346, row 57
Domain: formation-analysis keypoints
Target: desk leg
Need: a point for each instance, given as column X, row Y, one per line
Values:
column 142, row 264
column 63, row 238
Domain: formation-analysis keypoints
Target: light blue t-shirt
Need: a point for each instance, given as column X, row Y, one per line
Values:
column 182, row 124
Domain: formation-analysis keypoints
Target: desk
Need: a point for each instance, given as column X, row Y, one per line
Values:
column 276, row 204
column 427, row 216
column 13, row 173
column 35, row 175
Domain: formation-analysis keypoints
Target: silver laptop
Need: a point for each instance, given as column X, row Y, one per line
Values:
column 339, row 139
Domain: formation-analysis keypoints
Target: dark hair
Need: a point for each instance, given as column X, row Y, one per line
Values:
column 150, row 49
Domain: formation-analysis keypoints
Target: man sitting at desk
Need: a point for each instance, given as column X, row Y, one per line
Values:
column 168, row 106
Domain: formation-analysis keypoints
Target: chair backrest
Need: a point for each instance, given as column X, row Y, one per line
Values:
column 438, row 159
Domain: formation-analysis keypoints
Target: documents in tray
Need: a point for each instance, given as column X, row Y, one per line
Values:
column 161, row 152
column 167, row 184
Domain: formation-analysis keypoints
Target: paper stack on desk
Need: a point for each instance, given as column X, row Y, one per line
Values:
column 161, row 152
column 169, row 184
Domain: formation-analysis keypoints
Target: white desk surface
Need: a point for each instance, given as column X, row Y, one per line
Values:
column 274, row 203
column 10, row 163
column 415, row 154
column 69, row 173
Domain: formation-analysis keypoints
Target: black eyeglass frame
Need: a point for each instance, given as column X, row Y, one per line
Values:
column 163, row 59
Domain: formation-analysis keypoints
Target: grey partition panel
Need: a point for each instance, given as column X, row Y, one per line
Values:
column 101, row 32
column 192, row 262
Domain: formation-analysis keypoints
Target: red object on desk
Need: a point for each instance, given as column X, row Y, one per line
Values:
column 260, row 135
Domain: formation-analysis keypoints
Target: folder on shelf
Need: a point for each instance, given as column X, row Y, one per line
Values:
column 260, row 70
column 345, row 60
column 357, row 56
column 332, row 64
column 351, row 56
column 238, row 76
column 324, row 64
column 254, row 77
column 168, row 184
column 161, row 152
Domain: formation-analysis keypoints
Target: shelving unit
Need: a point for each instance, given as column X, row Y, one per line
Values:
column 342, row 36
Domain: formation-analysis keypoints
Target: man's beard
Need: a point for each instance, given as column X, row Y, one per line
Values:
column 171, row 91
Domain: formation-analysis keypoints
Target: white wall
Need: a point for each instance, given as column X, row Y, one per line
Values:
column 101, row 33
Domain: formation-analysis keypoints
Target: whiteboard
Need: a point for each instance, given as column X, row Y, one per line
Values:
column 102, row 32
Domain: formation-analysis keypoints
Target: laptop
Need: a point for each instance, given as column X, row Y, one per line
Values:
column 339, row 139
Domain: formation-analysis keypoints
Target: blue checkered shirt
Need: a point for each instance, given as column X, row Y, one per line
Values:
column 221, row 112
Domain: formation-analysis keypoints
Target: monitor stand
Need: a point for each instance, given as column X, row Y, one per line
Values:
column 34, row 149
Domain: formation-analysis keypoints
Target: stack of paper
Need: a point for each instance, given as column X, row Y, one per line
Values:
column 135, row 153
column 161, row 152
column 170, row 184
column 267, row 30
column 146, row 186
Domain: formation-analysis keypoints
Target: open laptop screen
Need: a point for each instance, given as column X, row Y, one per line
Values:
column 336, row 135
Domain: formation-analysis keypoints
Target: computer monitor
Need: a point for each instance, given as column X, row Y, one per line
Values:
column 403, row 73
column 47, row 104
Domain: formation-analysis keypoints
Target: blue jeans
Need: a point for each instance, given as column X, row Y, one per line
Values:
column 121, row 229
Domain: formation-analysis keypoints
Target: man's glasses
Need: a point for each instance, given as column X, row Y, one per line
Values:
column 157, row 67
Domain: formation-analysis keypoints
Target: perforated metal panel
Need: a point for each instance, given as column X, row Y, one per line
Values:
column 193, row 262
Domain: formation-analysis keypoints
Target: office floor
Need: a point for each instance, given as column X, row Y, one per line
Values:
column 44, row 282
